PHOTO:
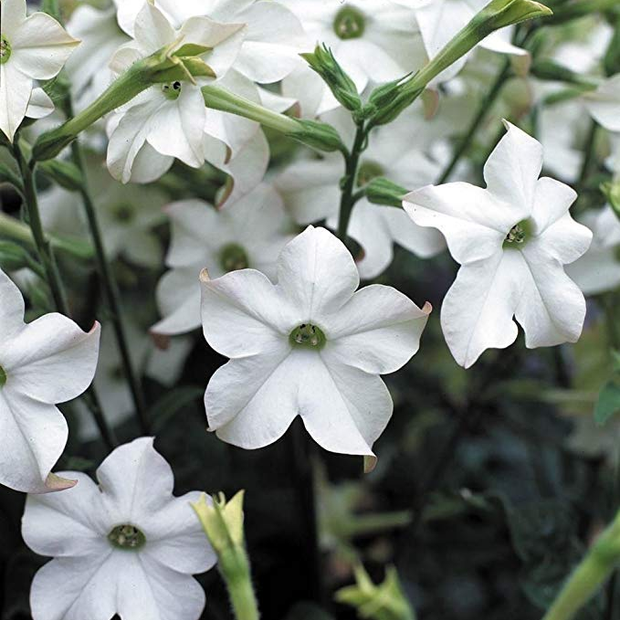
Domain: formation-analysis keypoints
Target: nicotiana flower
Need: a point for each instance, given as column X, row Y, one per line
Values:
column 42, row 363
column 126, row 546
column 127, row 214
column 373, row 40
column 598, row 270
column 167, row 121
column 309, row 345
column 512, row 240
column 31, row 48
column 272, row 41
column 248, row 233
column 400, row 151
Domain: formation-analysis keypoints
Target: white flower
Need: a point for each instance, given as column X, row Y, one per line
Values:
column 247, row 233
column 440, row 20
column 272, row 42
column 127, row 215
column 309, row 346
column 603, row 104
column 126, row 547
column 373, row 40
column 46, row 362
column 31, row 48
column 401, row 152
column 512, row 240
column 166, row 121
column 598, row 270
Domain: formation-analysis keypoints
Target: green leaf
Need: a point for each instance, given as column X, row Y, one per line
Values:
column 608, row 404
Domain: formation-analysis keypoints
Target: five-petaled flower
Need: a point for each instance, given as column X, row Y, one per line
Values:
column 309, row 345
column 31, row 48
column 512, row 240
column 126, row 547
column 48, row 361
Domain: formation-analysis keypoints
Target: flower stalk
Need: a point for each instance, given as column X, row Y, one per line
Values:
column 222, row 522
column 590, row 574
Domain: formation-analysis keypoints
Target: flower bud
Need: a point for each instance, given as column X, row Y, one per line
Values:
column 222, row 521
column 342, row 86
column 14, row 256
column 381, row 191
column 612, row 192
column 318, row 135
column 63, row 173
column 383, row 602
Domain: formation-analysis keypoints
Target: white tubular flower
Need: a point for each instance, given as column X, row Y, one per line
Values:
column 401, row 152
column 603, row 104
column 272, row 42
column 512, row 240
column 309, row 345
column 247, row 233
column 31, row 48
column 46, row 362
column 167, row 121
column 440, row 20
column 126, row 546
column 598, row 270
column 373, row 40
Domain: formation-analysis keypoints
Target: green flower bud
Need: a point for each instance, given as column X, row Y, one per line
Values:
column 382, row 191
column 548, row 69
column 342, row 86
column 612, row 192
column 14, row 257
column 383, row 602
column 63, row 173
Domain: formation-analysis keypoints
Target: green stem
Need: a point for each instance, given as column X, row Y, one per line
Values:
column 347, row 200
column 476, row 122
column 50, row 267
column 234, row 566
column 589, row 158
column 110, row 288
column 18, row 231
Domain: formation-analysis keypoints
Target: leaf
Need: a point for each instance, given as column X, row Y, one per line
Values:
column 608, row 404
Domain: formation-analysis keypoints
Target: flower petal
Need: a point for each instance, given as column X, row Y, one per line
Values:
column 422, row 242
column 11, row 307
column 71, row 523
column 477, row 311
column 12, row 14
column 603, row 103
column 39, row 105
column 41, row 46
column 178, row 284
column 33, row 435
column 471, row 219
column 377, row 331
column 512, row 171
column 51, row 360
column 317, row 274
column 15, row 92
column 152, row 30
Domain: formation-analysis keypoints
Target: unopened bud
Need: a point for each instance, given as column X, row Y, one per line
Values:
column 382, row 191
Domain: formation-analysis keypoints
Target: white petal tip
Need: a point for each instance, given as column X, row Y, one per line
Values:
column 161, row 341
column 427, row 308
column 370, row 462
column 204, row 276
column 55, row 483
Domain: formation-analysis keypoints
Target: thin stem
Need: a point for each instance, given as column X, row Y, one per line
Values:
column 348, row 198
column 476, row 122
column 111, row 292
column 50, row 267
column 589, row 158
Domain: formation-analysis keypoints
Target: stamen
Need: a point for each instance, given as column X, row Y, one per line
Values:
column 519, row 234
column 172, row 90
column 127, row 537
column 308, row 335
column 233, row 257
column 5, row 50
column 350, row 23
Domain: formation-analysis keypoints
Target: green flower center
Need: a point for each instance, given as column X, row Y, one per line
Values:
column 124, row 212
column 233, row 257
column 171, row 91
column 5, row 50
column 368, row 171
column 308, row 336
column 127, row 537
column 518, row 235
column 2, row 376
column 350, row 23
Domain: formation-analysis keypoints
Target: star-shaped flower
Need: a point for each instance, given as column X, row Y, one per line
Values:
column 31, row 48
column 48, row 361
column 309, row 345
column 512, row 240
column 126, row 546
